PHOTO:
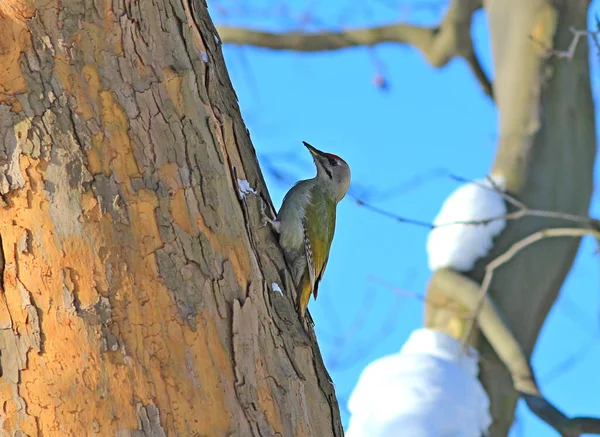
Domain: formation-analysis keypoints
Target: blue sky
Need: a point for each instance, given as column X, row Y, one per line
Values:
column 400, row 144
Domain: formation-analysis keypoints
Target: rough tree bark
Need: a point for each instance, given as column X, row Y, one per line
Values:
column 135, row 286
column 546, row 152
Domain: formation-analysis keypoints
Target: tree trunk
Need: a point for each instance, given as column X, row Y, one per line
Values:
column 548, row 154
column 546, row 151
column 136, row 294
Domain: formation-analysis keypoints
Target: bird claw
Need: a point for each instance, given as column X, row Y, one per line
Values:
column 263, row 213
column 306, row 320
column 265, row 218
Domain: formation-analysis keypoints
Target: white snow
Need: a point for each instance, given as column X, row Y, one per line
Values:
column 275, row 287
column 204, row 56
column 458, row 246
column 245, row 188
column 428, row 389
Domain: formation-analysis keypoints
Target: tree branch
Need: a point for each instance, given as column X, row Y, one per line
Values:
column 451, row 39
column 465, row 291
column 521, row 211
column 512, row 252
column 420, row 37
column 508, row 349
column 548, row 162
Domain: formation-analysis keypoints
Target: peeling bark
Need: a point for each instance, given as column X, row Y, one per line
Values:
column 135, row 297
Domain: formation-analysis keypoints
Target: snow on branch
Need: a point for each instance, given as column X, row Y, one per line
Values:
column 466, row 225
column 520, row 209
column 427, row 389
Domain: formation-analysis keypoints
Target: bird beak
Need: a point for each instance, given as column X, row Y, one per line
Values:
column 315, row 152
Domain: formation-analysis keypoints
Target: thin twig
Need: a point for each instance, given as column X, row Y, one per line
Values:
column 391, row 215
column 569, row 53
column 419, row 297
column 509, row 254
column 522, row 210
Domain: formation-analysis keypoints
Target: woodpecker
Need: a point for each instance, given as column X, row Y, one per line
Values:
column 306, row 222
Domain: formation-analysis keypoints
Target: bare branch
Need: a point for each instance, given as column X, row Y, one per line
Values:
column 422, row 298
column 567, row 427
column 538, row 405
column 298, row 41
column 452, row 38
column 522, row 211
column 391, row 215
column 570, row 51
column 514, row 250
column 465, row 291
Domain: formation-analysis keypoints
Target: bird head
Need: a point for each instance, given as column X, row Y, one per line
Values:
column 332, row 171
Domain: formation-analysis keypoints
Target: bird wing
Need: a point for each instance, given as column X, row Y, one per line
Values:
column 318, row 281
column 320, row 212
column 310, row 263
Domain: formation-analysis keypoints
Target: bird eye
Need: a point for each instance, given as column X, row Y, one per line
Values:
column 333, row 162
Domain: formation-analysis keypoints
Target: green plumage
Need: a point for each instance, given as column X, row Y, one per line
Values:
column 306, row 222
column 307, row 215
column 320, row 221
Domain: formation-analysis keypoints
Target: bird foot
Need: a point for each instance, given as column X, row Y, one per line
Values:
column 307, row 320
column 265, row 219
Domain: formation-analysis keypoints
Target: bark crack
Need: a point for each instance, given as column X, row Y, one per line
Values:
column 2, row 264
